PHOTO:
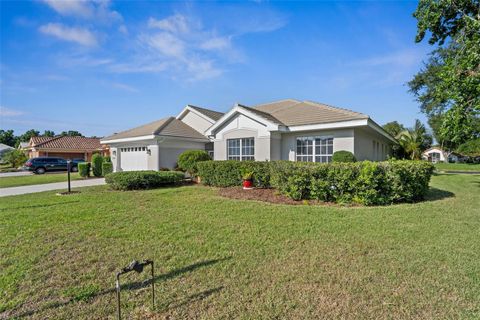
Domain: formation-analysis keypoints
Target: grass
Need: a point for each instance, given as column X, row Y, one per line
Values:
column 458, row 166
column 220, row 258
column 6, row 182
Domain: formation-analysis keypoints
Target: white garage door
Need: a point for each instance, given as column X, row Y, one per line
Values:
column 133, row 158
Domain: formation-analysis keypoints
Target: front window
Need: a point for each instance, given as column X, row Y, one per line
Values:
column 241, row 149
column 435, row 157
column 314, row 149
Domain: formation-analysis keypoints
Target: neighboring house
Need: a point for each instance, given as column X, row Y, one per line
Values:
column 65, row 147
column 282, row 130
column 437, row 154
column 24, row 145
column 4, row 149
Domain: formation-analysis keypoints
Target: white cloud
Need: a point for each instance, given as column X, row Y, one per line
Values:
column 72, row 34
column 124, row 87
column 216, row 43
column 97, row 9
column 175, row 24
column 402, row 58
column 7, row 112
column 167, row 44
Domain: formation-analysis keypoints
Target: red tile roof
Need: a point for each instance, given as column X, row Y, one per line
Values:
column 68, row 143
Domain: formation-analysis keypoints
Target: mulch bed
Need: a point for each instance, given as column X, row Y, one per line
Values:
column 265, row 195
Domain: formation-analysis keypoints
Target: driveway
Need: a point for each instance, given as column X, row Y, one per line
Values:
column 49, row 187
column 15, row 174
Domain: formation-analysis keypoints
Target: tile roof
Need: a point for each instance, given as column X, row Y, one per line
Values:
column 214, row 115
column 64, row 142
column 292, row 112
column 166, row 127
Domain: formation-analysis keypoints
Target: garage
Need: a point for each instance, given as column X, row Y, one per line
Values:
column 133, row 158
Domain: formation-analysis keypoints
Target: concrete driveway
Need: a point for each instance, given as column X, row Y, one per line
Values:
column 50, row 186
column 15, row 174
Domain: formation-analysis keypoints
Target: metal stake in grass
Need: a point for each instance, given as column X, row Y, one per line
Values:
column 69, row 166
column 138, row 268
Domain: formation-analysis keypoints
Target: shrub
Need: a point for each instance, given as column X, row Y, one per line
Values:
column 229, row 173
column 134, row 180
column 16, row 158
column 188, row 160
column 84, row 169
column 107, row 167
column 97, row 161
column 107, row 159
column 343, row 156
column 368, row 183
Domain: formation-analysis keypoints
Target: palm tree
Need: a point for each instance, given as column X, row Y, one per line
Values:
column 414, row 140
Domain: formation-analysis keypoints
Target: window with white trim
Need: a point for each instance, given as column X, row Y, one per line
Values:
column 314, row 149
column 241, row 149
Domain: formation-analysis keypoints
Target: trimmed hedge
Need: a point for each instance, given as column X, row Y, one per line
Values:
column 107, row 167
column 187, row 161
column 368, row 183
column 84, row 169
column 343, row 156
column 135, row 180
column 229, row 173
column 97, row 161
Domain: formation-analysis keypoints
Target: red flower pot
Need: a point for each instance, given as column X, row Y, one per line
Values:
column 247, row 184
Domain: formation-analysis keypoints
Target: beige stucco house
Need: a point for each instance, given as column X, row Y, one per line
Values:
column 281, row 130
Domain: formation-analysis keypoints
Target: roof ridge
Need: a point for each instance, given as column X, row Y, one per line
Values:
column 143, row 125
column 194, row 106
column 47, row 140
column 261, row 112
column 163, row 125
column 277, row 101
column 334, row 108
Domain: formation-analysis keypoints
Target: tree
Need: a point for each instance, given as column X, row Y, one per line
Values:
column 470, row 148
column 414, row 140
column 448, row 86
column 393, row 128
column 7, row 137
column 27, row 135
column 15, row 157
column 71, row 133
column 48, row 133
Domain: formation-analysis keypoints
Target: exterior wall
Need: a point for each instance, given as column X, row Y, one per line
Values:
column 364, row 145
column 86, row 155
column 426, row 154
column 197, row 122
column 242, row 126
column 163, row 152
column 343, row 139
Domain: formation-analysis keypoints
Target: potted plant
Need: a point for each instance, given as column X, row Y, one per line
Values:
column 247, row 177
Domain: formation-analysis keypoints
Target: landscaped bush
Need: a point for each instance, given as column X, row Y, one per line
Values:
column 368, row 183
column 343, row 156
column 84, row 169
column 107, row 167
column 188, row 160
column 107, row 159
column 97, row 161
column 229, row 173
column 133, row 180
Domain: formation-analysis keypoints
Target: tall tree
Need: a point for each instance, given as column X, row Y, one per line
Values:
column 27, row 135
column 48, row 133
column 393, row 128
column 415, row 140
column 71, row 133
column 448, row 86
column 8, row 137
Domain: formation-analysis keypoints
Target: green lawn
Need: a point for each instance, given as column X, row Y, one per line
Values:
column 220, row 258
column 7, row 182
column 458, row 166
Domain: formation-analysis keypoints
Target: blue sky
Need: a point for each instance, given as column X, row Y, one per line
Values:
column 100, row 67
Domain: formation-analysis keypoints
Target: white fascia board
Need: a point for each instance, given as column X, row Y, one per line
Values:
column 380, row 130
column 149, row 137
column 190, row 109
column 227, row 116
column 332, row 125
